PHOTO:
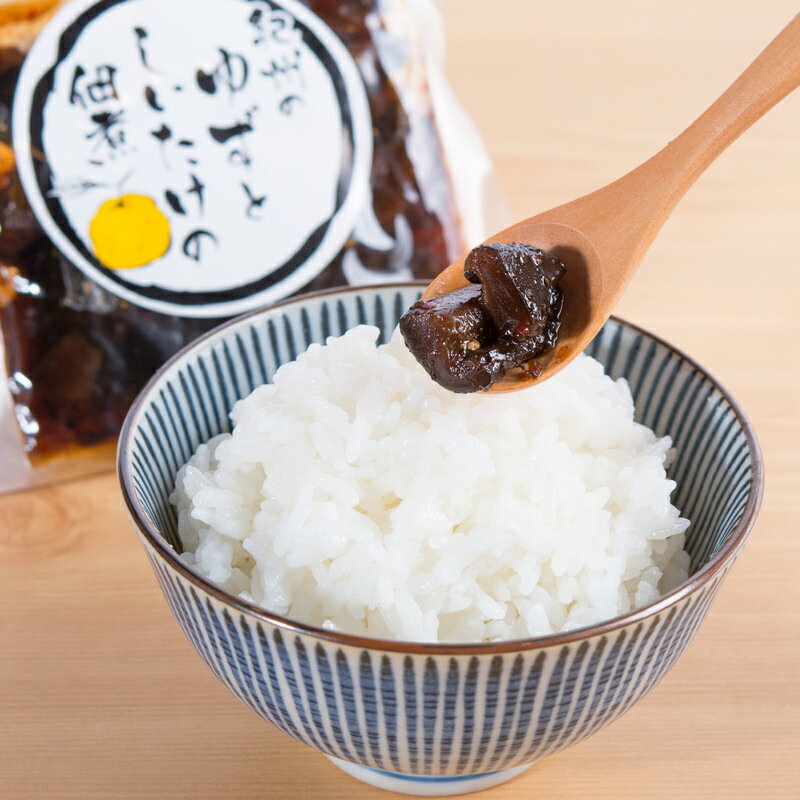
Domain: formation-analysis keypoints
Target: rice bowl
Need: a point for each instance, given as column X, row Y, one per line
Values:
column 449, row 717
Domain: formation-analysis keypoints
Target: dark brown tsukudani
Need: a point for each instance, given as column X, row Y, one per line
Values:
column 510, row 315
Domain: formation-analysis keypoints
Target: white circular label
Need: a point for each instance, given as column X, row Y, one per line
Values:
column 194, row 158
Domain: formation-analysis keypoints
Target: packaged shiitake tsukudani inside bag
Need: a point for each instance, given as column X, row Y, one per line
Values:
column 167, row 165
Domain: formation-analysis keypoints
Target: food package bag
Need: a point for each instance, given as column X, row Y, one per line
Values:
column 165, row 166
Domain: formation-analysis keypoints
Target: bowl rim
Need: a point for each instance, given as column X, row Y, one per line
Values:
column 157, row 543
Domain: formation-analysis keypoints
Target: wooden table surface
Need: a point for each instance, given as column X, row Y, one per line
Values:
column 102, row 697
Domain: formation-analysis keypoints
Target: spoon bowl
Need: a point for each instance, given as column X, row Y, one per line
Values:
column 583, row 282
column 601, row 238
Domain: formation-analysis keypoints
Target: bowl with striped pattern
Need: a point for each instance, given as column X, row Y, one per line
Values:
column 430, row 719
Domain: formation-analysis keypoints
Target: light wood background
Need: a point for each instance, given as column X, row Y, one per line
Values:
column 100, row 695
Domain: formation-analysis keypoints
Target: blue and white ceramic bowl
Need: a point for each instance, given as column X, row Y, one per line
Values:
column 435, row 719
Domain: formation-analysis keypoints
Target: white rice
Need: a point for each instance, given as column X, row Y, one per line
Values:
column 356, row 494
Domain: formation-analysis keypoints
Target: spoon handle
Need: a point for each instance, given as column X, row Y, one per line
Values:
column 774, row 74
column 625, row 216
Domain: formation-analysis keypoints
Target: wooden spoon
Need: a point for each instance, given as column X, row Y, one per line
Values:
column 602, row 237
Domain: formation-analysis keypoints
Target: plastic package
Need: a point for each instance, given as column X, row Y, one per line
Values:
column 156, row 186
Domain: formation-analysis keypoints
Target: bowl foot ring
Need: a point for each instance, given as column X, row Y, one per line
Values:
column 428, row 785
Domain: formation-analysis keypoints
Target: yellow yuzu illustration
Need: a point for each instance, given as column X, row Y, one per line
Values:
column 129, row 231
